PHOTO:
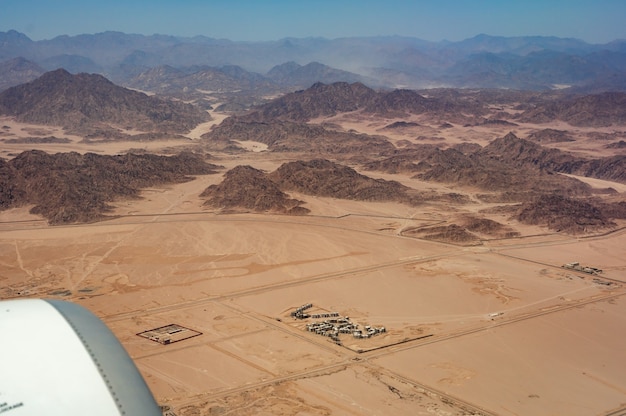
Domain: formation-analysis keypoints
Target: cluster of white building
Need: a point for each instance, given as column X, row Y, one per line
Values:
column 336, row 325
column 586, row 269
column 299, row 313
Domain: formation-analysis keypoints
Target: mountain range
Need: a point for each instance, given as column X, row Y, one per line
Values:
column 507, row 170
column 530, row 62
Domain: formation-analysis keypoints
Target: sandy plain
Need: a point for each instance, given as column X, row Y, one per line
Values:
column 494, row 329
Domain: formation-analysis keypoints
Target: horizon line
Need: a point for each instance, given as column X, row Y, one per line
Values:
column 312, row 37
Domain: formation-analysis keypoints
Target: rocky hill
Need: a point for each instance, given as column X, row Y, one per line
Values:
column 521, row 152
column 467, row 230
column 511, row 175
column 596, row 110
column 550, row 136
column 507, row 163
column 409, row 160
column 70, row 187
column 283, row 136
column 325, row 100
column 452, row 233
column 280, row 122
column 317, row 101
column 564, row 214
column 245, row 187
column 322, row 177
column 79, row 102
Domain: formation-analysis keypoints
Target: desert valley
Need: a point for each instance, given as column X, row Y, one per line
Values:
column 332, row 248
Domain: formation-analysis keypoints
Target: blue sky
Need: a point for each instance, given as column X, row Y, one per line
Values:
column 595, row 21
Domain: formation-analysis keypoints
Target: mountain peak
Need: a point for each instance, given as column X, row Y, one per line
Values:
column 510, row 137
column 75, row 101
column 14, row 36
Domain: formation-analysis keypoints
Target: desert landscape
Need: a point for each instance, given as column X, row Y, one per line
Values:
column 337, row 250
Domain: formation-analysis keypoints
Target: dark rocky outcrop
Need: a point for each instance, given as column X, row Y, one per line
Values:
column 245, row 187
column 325, row 100
column 452, row 233
column 617, row 145
column 521, row 152
column 284, row 136
column 317, row 101
column 597, row 110
column 550, row 136
column 563, row 214
column 71, row 188
column 321, row 177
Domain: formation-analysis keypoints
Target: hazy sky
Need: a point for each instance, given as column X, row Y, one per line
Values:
column 595, row 21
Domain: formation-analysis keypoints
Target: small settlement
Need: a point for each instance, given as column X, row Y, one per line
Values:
column 586, row 269
column 334, row 325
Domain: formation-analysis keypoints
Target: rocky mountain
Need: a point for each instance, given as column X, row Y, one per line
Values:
column 537, row 70
column 482, row 61
column 157, row 79
column 317, row 101
column 70, row 187
column 232, row 86
column 287, row 136
column 563, row 214
column 550, row 136
column 325, row 100
column 409, row 160
column 322, row 177
column 521, row 152
column 248, row 188
column 468, row 230
column 617, row 145
column 193, row 82
column 291, row 74
column 18, row 71
column 506, row 163
column 452, row 233
column 506, row 179
column 595, row 110
column 84, row 101
column 245, row 187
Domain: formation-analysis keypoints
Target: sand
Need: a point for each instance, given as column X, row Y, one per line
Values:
column 496, row 329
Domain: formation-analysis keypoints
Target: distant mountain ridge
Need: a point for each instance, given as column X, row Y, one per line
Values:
column 524, row 62
column 18, row 71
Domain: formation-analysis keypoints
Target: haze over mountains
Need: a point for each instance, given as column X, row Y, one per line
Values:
column 218, row 185
column 532, row 62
